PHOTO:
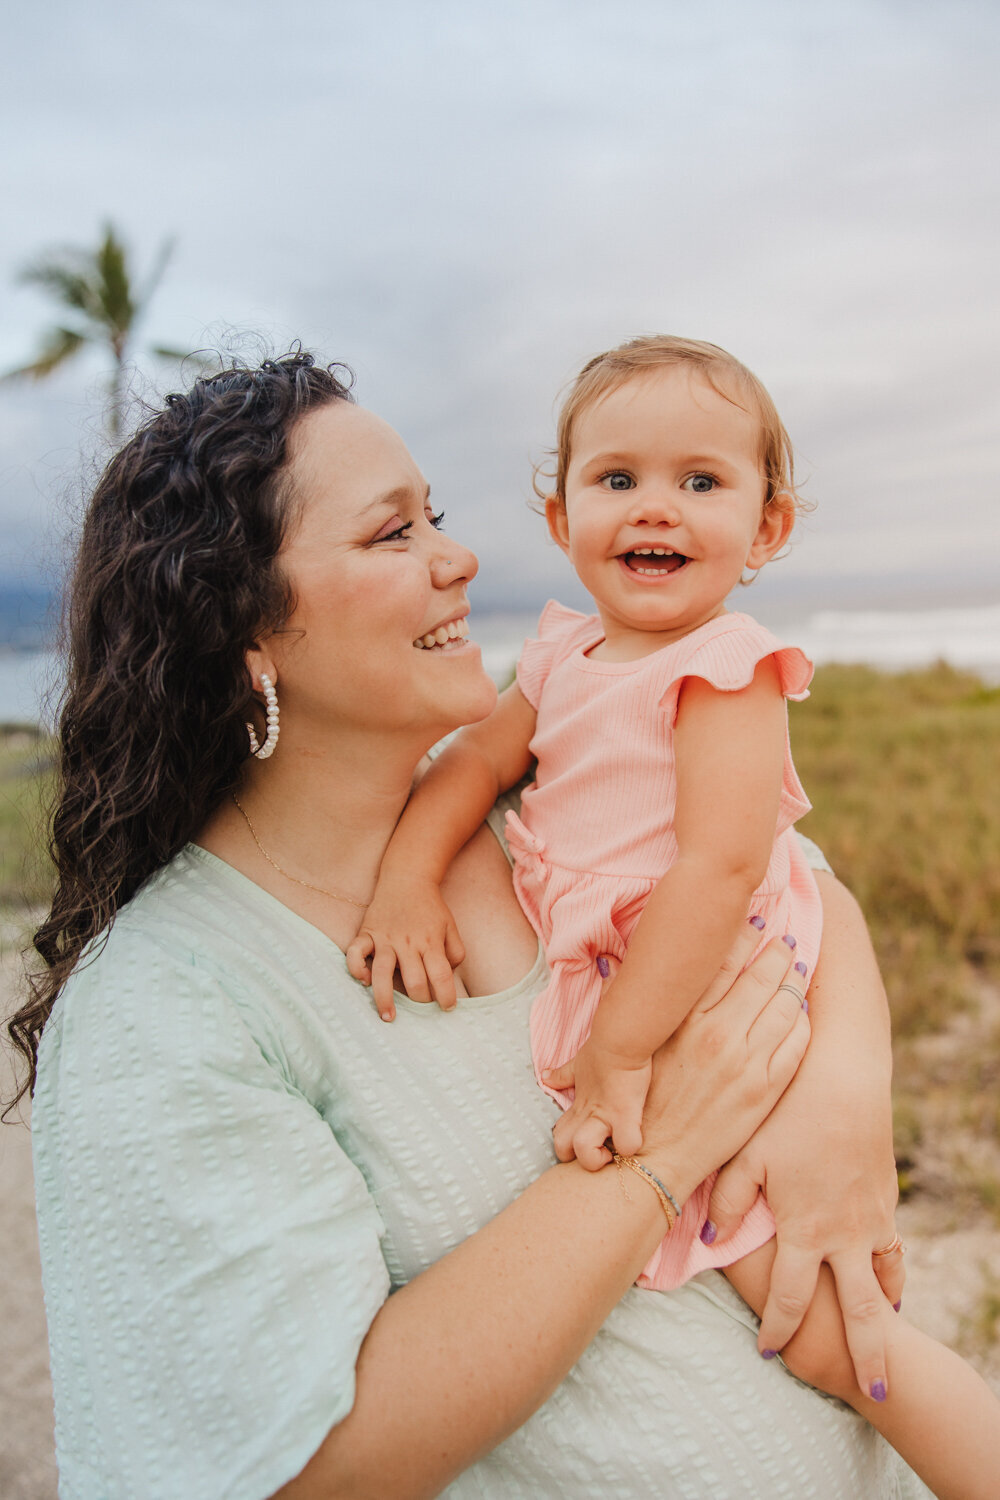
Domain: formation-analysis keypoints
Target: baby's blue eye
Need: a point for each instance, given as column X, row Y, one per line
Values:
column 700, row 484
column 617, row 480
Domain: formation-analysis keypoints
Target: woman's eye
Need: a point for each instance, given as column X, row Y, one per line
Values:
column 699, row 484
column 398, row 534
column 437, row 521
column 618, row 480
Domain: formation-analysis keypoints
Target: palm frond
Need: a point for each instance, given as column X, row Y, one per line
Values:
column 163, row 256
column 65, row 276
column 114, row 290
column 60, row 345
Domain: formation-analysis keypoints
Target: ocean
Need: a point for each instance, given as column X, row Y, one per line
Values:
column 896, row 640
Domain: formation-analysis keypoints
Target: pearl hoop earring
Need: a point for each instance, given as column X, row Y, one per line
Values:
column 266, row 750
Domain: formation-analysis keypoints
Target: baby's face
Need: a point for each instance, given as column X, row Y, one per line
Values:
column 664, row 506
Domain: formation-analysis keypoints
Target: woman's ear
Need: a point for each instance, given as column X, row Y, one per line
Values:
column 555, row 515
column 260, row 661
column 774, row 530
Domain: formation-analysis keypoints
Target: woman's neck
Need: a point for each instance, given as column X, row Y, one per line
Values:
column 316, row 817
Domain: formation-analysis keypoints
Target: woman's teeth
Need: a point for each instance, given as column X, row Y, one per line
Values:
column 445, row 635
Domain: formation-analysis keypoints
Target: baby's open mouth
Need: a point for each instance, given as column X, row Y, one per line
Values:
column 653, row 560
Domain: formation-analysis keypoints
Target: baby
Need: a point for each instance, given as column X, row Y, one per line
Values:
column 660, row 818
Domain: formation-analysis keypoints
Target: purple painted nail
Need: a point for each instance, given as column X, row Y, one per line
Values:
column 897, row 1305
column 877, row 1390
column 708, row 1233
column 768, row 1353
column 801, row 968
column 789, row 940
column 805, row 1006
column 603, row 967
column 758, row 922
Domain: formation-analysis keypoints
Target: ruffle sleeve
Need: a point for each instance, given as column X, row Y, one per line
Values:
column 725, row 653
column 557, row 627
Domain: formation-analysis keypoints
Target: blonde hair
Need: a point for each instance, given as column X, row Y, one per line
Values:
column 725, row 374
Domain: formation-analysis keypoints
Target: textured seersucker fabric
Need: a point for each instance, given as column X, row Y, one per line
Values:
column 235, row 1161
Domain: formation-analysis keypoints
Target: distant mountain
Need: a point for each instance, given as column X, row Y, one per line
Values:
column 27, row 614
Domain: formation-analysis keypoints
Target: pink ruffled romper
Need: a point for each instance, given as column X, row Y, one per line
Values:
column 596, row 835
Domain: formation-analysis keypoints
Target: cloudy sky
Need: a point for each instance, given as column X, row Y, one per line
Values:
column 465, row 199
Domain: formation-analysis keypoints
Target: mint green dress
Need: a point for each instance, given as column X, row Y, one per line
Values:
column 237, row 1162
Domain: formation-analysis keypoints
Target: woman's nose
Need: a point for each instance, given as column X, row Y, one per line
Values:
column 452, row 562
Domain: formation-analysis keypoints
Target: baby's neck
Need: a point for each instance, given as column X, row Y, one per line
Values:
column 625, row 642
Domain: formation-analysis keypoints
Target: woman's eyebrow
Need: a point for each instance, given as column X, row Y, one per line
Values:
column 396, row 496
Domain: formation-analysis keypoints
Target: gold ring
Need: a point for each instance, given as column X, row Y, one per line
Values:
column 894, row 1244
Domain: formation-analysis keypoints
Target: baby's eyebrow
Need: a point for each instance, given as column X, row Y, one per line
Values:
column 609, row 459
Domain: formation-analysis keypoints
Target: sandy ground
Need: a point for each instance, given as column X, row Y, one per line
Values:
column 952, row 1291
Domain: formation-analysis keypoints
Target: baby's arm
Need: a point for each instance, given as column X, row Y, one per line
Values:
column 730, row 749
column 407, row 923
column 932, row 1407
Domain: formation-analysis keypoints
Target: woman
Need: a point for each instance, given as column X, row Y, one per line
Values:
column 236, row 1161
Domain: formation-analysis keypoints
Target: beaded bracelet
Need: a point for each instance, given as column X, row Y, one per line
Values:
column 668, row 1202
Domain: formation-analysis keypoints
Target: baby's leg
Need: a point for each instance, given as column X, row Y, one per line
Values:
column 938, row 1413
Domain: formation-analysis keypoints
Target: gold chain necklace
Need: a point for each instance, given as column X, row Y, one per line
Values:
column 321, row 890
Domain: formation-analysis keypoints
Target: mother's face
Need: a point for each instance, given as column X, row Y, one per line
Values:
column 372, row 578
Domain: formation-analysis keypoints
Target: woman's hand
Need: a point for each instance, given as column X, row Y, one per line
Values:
column 824, row 1157
column 725, row 1067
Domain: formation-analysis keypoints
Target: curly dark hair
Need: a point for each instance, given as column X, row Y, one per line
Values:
column 176, row 577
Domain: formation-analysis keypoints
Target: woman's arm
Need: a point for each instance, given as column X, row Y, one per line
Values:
column 825, row 1154
column 465, row 1353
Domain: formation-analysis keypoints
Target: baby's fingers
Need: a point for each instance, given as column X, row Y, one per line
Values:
column 358, row 953
column 383, row 969
column 454, row 948
column 441, row 979
column 626, row 1132
column 588, row 1144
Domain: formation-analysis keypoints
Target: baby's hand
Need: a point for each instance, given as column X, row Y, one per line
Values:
column 610, row 1095
column 409, row 927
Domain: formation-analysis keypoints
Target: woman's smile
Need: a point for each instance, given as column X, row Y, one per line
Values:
column 374, row 578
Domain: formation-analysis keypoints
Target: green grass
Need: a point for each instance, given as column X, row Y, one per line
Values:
column 25, row 781
column 902, row 772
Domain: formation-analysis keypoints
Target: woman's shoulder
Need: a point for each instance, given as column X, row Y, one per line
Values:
column 182, row 972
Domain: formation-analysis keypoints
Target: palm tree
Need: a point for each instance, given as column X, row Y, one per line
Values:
column 97, row 289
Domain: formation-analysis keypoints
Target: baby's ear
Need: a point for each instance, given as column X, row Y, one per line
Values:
column 774, row 530
column 555, row 515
